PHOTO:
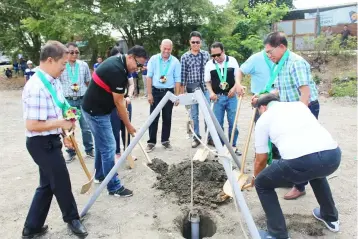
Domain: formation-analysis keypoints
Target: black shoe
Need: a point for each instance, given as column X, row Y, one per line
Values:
column 71, row 158
column 90, row 153
column 98, row 181
column 77, row 228
column 167, row 146
column 195, row 143
column 122, row 192
column 211, row 143
column 237, row 152
column 31, row 233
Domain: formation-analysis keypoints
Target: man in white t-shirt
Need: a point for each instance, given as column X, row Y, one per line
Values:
column 308, row 152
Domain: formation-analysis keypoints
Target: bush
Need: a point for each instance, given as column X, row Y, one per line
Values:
column 344, row 86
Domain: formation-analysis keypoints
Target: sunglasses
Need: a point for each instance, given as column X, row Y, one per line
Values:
column 74, row 52
column 195, row 42
column 138, row 64
column 216, row 55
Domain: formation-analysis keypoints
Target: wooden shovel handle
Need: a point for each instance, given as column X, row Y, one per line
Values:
column 79, row 154
column 236, row 118
column 244, row 155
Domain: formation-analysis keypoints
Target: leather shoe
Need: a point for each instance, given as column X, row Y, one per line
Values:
column 77, row 228
column 293, row 194
column 28, row 233
column 195, row 143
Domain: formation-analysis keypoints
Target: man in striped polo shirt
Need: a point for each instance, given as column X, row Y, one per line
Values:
column 42, row 98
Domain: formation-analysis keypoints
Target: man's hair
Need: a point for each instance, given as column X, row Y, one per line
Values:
column 195, row 34
column 218, row 45
column 265, row 99
column 138, row 51
column 275, row 39
column 71, row 44
column 53, row 49
column 115, row 50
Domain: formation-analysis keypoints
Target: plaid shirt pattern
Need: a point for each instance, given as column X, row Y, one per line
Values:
column 190, row 67
column 38, row 104
column 295, row 73
column 83, row 77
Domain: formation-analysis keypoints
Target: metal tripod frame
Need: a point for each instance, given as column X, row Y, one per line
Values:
column 215, row 131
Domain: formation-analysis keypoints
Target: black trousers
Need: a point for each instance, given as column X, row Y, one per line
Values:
column 158, row 95
column 54, row 180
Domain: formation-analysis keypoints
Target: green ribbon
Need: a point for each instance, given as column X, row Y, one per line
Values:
column 273, row 74
column 64, row 106
column 165, row 72
column 73, row 75
column 222, row 77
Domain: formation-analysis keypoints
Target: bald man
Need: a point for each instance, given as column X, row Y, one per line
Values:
column 163, row 75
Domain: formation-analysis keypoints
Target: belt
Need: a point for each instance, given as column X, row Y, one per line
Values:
column 162, row 89
column 313, row 102
column 74, row 97
column 223, row 93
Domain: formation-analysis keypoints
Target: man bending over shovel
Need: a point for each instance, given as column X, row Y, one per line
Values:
column 308, row 152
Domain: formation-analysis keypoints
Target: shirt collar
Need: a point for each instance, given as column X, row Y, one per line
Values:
column 161, row 58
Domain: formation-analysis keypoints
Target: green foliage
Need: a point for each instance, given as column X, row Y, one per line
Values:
column 344, row 85
column 316, row 79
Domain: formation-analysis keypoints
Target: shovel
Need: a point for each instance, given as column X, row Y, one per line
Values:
column 129, row 158
column 235, row 122
column 86, row 186
column 202, row 153
column 241, row 176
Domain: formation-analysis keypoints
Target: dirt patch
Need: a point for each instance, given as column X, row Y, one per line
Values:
column 159, row 166
column 304, row 224
column 209, row 179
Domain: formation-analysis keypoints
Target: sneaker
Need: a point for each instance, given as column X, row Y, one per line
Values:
column 237, row 152
column 122, row 192
column 195, row 143
column 150, row 148
column 33, row 233
column 266, row 235
column 332, row 226
column 71, row 158
column 98, row 181
column 167, row 146
column 90, row 153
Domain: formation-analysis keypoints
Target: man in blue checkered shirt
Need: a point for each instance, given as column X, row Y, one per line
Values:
column 192, row 76
column 293, row 83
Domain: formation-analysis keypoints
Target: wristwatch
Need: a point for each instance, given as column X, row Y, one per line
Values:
column 253, row 176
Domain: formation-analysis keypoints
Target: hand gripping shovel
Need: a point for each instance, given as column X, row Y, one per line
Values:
column 129, row 158
column 202, row 153
column 241, row 177
column 86, row 186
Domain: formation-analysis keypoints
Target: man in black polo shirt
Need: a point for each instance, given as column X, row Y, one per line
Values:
column 221, row 77
column 106, row 92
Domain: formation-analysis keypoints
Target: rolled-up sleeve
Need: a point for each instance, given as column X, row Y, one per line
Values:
column 262, row 136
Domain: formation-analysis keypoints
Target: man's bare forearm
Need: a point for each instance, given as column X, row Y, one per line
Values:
column 122, row 112
column 177, row 88
column 209, row 87
column 149, row 85
column 305, row 94
column 40, row 126
column 130, row 87
column 260, row 163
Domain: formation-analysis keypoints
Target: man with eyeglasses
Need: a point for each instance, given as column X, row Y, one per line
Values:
column 75, row 79
column 293, row 82
column 192, row 76
column 221, row 77
column 163, row 75
column 105, row 93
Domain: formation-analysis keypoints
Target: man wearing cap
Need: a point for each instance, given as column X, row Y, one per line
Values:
column 29, row 71
column 43, row 105
column 75, row 79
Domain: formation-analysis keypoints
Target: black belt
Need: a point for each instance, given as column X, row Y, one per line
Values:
column 223, row 93
column 162, row 89
column 74, row 97
column 313, row 102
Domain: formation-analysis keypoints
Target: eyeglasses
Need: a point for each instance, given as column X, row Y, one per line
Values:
column 74, row 52
column 195, row 42
column 138, row 64
column 271, row 51
column 216, row 55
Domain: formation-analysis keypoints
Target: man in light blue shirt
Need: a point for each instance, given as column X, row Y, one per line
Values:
column 163, row 74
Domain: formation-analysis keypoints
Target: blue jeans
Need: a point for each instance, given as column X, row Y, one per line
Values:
column 194, row 113
column 119, row 128
column 105, row 148
column 314, row 108
column 224, row 103
column 86, row 132
column 314, row 168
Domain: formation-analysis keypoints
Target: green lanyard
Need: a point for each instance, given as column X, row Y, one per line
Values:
column 62, row 105
column 165, row 72
column 273, row 74
column 73, row 75
column 222, row 77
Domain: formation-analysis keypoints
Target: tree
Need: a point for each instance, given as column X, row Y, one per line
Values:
column 288, row 3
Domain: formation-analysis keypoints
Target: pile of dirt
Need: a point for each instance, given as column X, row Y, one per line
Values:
column 159, row 166
column 209, row 179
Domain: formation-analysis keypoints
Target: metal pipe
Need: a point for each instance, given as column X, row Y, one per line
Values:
column 126, row 152
column 220, row 131
column 194, row 219
column 214, row 129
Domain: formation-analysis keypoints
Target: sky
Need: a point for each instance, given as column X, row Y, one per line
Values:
column 304, row 3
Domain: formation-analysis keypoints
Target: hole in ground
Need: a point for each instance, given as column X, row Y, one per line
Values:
column 207, row 226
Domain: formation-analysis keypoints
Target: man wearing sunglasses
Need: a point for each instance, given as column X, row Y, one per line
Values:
column 105, row 93
column 163, row 75
column 221, row 77
column 293, row 82
column 192, row 76
column 75, row 79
